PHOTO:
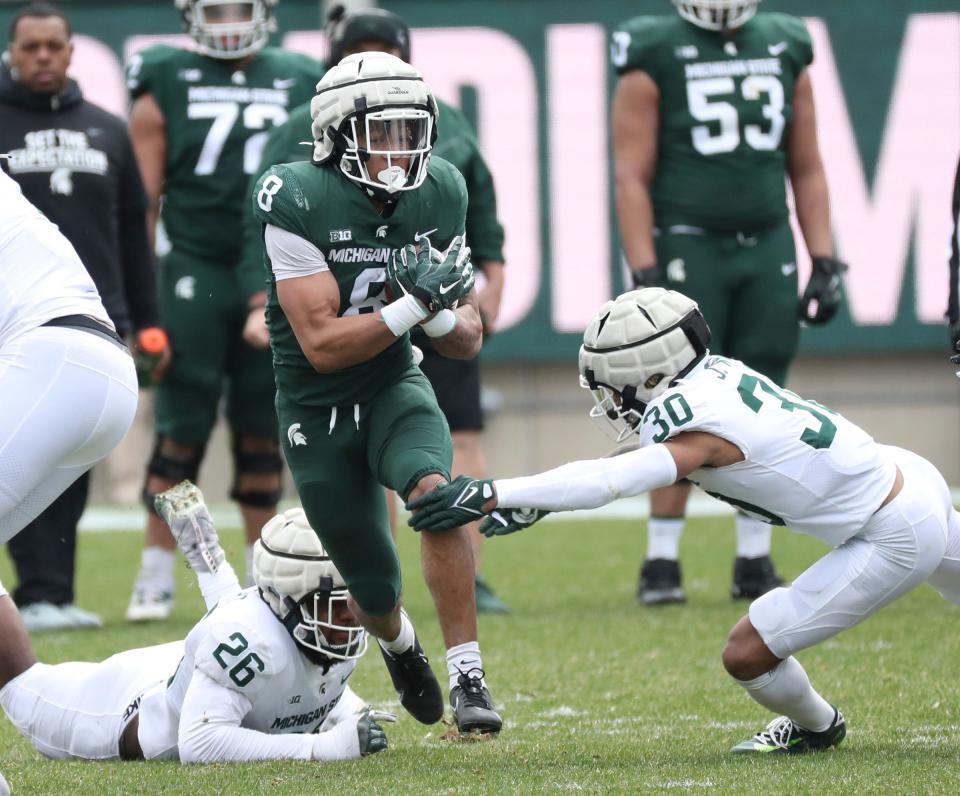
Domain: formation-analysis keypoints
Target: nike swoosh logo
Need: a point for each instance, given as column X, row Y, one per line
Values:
column 776, row 49
column 284, row 83
column 419, row 235
column 471, row 491
column 345, row 678
column 443, row 292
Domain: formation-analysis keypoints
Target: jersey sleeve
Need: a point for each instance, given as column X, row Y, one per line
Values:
column 283, row 146
column 279, row 200
column 145, row 70
column 635, row 45
column 236, row 657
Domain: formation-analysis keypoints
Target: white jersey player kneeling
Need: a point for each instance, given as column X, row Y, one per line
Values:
column 263, row 676
column 885, row 511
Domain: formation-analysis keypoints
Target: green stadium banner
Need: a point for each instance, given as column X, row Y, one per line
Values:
column 533, row 75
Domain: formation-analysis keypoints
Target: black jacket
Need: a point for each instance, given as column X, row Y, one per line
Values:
column 74, row 161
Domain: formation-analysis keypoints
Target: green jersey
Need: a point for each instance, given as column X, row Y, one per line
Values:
column 726, row 104
column 217, row 119
column 456, row 143
column 325, row 208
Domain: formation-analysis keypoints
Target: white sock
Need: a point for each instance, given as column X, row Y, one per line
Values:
column 216, row 585
column 753, row 537
column 248, row 563
column 786, row 690
column 663, row 537
column 156, row 566
column 404, row 640
column 461, row 659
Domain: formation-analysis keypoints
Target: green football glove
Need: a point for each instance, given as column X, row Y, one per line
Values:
column 438, row 280
column 500, row 522
column 825, row 288
column 450, row 505
column 402, row 268
column 370, row 734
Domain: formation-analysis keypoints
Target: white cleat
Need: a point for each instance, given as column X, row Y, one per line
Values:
column 183, row 509
column 149, row 604
column 44, row 616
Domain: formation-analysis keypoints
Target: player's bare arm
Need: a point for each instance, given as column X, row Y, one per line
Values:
column 807, row 176
column 635, row 122
column 464, row 341
column 330, row 343
column 149, row 137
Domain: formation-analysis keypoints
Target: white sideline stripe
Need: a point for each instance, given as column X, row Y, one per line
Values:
column 132, row 518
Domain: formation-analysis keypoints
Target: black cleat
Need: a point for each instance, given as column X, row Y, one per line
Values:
column 415, row 683
column 660, row 582
column 473, row 706
column 753, row 577
column 783, row 737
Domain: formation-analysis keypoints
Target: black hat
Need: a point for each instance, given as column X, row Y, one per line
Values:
column 344, row 30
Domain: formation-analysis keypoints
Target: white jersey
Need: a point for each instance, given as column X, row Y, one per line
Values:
column 804, row 466
column 246, row 656
column 41, row 276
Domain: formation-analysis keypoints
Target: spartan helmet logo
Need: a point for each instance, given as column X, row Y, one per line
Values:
column 61, row 182
column 296, row 436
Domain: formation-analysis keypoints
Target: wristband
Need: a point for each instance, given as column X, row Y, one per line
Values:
column 403, row 314
column 440, row 324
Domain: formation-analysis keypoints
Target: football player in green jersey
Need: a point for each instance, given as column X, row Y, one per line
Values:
column 456, row 382
column 713, row 109
column 199, row 121
column 355, row 412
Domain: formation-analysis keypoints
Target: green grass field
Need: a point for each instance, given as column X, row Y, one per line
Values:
column 599, row 694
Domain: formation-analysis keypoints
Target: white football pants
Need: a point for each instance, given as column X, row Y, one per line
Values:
column 77, row 709
column 67, row 397
column 914, row 538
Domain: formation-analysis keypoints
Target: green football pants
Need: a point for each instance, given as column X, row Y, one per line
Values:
column 746, row 286
column 340, row 457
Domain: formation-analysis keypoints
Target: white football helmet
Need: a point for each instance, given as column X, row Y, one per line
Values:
column 717, row 15
column 635, row 347
column 229, row 38
column 303, row 588
column 374, row 104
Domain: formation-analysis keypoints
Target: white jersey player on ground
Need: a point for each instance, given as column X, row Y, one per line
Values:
column 263, row 676
column 886, row 511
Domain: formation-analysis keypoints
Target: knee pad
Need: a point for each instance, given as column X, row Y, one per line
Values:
column 173, row 468
column 256, row 463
